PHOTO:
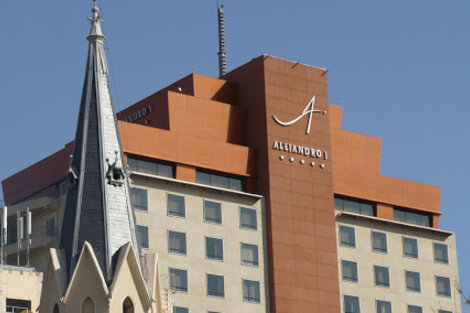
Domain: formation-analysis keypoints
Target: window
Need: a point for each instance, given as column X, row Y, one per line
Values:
column 413, row 282
column 215, row 286
column 156, row 168
column 178, row 309
column 248, row 218
column 220, row 180
column 347, row 236
column 139, row 199
column 50, row 227
column 88, row 306
column 176, row 205
column 441, row 254
column 381, row 276
column 212, row 212
column 176, row 242
column 178, row 280
column 251, row 291
column 383, row 306
column 349, row 270
column 410, row 247
column 379, row 242
column 354, row 206
column 56, row 308
column 143, row 236
column 17, row 305
column 127, row 306
column 444, row 311
column 249, row 254
column 214, row 248
column 443, row 286
column 411, row 217
column 351, row 304
column 415, row 309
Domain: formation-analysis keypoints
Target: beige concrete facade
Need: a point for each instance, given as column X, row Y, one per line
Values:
column 195, row 261
column 397, row 264
column 19, row 283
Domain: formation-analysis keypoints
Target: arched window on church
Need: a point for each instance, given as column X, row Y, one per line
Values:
column 88, row 306
column 127, row 306
column 56, row 308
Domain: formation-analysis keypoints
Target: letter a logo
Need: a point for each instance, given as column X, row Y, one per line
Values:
column 309, row 110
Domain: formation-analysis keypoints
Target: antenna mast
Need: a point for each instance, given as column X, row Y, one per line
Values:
column 222, row 53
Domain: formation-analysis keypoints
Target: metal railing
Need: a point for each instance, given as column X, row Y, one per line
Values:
column 16, row 309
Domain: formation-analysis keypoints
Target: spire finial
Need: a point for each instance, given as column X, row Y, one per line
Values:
column 95, row 32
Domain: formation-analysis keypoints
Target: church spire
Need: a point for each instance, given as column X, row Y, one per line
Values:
column 98, row 208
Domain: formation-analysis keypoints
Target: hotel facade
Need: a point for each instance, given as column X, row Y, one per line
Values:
column 255, row 200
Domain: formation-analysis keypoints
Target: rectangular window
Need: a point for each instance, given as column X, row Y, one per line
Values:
column 411, row 217
column 176, row 242
column 379, row 242
column 50, row 227
column 143, row 236
column 351, row 304
column 415, row 309
column 212, row 212
column 179, row 309
column 354, row 206
column 248, row 219
column 17, row 305
column 176, row 205
column 214, row 248
column 347, row 237
column 220, row 180
column 444, row 311
column 139, row 199
column 410, row 247
column 413, row 282
column 215, row 285
column 383, row 306
column 441, row 254
column 249, row 254
column 178, row 280
column 382, row 277
column 349, row 270
column 251, row 292
column 443, row 286
column 151, row 167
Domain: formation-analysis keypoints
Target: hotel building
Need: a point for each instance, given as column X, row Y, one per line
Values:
column 256, row 200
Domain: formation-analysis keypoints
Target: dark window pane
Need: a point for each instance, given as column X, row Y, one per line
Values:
column 249, row 254
column 367, row 209
column 411, row 217
column 139, row 199
column 220, row 180
column 444, row 311
column 347, row 236
column 352, row 206
column 235, row 184
column 381, row 276
column 178, row 309
column 351, row 304
column 143, row 236
column 215, row 286
column 248, row 218
column 415, row 309
column 410, row 247
column 251, row 292
column 339, row 204
column 214, row 248
column 379, row 242
column 440, row 253
column 203, row 178
column 179, row 280
column 212, row 212
column 166, row 170
column 176, row 205
column 349, row 270
column 443, row 286
column 176, row 242
column 384, row 307
column 413, row 282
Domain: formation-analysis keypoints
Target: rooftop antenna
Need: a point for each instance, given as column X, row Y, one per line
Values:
column 4, row 234
column 19, row 235
column 222, row 53
column 29, row 227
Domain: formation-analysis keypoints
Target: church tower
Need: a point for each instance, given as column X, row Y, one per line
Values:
column 97, row 267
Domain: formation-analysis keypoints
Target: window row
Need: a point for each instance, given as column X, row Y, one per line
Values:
column 351, row 304
column 179, row 309
column 215, row 285
column 151, row 167
column 382, row 278
column 212, row 210
column 214, row 248
column 347, row 238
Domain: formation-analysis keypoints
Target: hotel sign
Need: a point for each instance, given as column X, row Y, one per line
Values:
column 140, row 114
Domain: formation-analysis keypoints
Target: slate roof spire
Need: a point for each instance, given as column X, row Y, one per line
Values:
column 98, row 208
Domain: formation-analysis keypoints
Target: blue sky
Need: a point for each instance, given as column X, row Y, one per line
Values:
column 398, row 68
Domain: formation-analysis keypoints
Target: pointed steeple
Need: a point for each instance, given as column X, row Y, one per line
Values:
column 98, row 208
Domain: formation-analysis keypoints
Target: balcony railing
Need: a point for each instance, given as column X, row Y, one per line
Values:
column 16, row 309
